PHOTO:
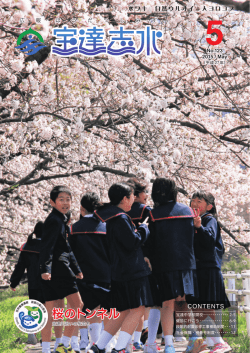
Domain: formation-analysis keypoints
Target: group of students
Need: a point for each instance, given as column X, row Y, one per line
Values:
column 127, row 256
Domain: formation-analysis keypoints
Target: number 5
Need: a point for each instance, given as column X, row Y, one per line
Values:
column 211, row 30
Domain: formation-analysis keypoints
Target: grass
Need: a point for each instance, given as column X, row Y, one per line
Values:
column 21, row 291
column 12, row 340
column 240, row 344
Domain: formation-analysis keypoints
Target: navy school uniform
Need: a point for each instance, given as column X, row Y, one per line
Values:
column 29, row 259
column 89, row 244
column 129, row 272
column 138, row 213
column 170, row 250
column 57, row 258
column 209, row 249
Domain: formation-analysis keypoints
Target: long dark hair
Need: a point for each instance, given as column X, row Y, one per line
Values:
column 38, row 230
column 164, row 190
column 209, row 198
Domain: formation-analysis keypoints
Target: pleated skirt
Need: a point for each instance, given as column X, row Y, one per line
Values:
column 177, row 283
column 211, row 288
column 131, row 294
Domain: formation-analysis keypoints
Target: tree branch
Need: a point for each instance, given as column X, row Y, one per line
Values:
column 24, row 180
column 226, row 230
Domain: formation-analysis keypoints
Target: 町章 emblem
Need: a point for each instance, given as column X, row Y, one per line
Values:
column 30, row 316
column 30, row 46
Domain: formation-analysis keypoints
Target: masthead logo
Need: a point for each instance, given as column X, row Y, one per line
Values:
column 30, row 46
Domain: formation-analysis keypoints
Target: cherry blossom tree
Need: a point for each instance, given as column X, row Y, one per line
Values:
column 87, row 122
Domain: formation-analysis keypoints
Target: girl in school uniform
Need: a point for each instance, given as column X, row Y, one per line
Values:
column 29, row 260
column 139, row 210
column 172, row 254
column 130, row 290
column 138, row 213
column 209, row 250
column 88, row 237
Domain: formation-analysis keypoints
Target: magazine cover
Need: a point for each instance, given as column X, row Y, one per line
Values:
column 124, row 176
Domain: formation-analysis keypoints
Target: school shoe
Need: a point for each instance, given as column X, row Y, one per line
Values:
column 150, row 348
column 194, row 345
column 137, row 346
column 62, row 349
column 221, row 348
column 120, row 350
column 144, row 335
column 95, row 349
column 169, row 349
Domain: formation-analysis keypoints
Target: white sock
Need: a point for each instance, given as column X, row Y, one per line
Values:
column 74, row 339
column 104, row 340
column 210, row 342
column 84, row 335
column 75, row 343
column 122, row 341
column 65, row 341
column 153, row 323
column 145, row 322
column 137, row 336
column 94, row 331
column 45, row 347
column 58, row 341
column 168, row 340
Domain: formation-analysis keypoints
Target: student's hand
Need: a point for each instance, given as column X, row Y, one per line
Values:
column 13, row 289
column 80, row 275
column 46, row 276
column 144, row 222
column 197, row 222
column 148, row 262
